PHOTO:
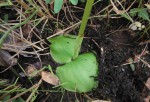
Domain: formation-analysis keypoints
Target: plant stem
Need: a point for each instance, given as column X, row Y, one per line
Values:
column 14, row 27
column 80, row 36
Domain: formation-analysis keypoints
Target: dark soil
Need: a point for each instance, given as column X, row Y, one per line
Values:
column 118, row 82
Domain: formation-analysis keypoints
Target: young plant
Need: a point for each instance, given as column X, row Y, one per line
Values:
column 141, row 13
column 79, row 71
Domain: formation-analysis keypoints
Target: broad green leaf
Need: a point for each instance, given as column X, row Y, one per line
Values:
column 58, row 5
column 144, row 14
column 79, row 75
column 48, row 1
column 74, row 2
column 62, row 48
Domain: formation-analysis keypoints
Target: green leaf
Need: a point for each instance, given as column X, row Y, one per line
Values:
column 48, row 1
column 74, row 2
column 58, row 5
column 62, row 48
column 134, row 11
column 79, row 75
column 126, row 16
column 144, row 14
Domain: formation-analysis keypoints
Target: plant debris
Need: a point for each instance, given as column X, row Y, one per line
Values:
column 50, row 78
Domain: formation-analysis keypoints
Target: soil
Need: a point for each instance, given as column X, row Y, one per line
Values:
column 113, row 44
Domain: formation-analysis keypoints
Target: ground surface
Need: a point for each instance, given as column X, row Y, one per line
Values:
column 120, row 78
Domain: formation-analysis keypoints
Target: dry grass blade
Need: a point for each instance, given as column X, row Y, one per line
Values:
column 147, row 84
column 144, row 62
column 34, row 91
column 45, row 8
column 26, row 6
column 62, row 31
column 3, row 38
column 120, row 11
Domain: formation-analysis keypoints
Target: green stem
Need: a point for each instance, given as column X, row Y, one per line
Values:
column 14, row 27
column 85, row 18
